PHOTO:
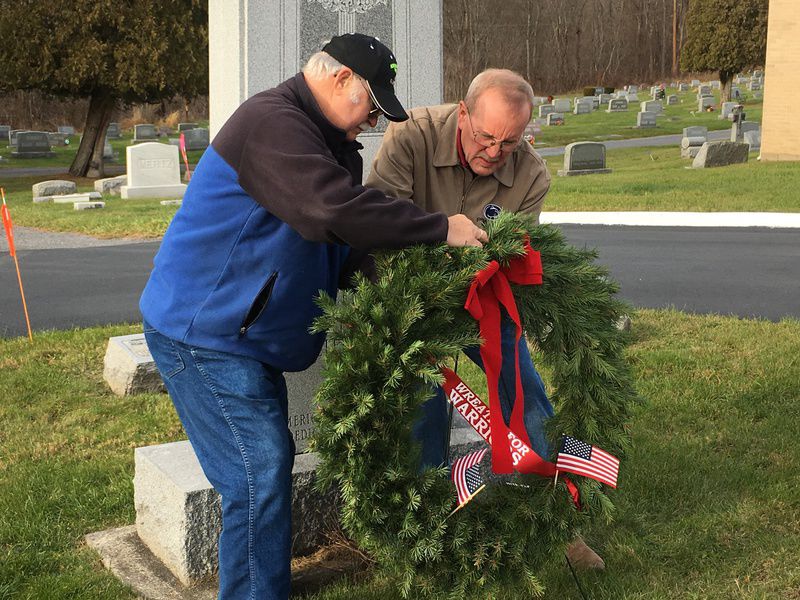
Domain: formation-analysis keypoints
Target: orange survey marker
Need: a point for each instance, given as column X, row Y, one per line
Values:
column 182, row 145
column 7, row 225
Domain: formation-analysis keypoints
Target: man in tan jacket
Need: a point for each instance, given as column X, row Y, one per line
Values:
column 470, row 158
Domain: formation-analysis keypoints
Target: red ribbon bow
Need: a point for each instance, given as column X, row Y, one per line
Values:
column 489, row 291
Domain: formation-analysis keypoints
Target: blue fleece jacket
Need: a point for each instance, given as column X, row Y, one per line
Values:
column 269, row 219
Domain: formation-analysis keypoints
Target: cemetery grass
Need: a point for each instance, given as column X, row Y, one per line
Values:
column 707, row 505
column 141, row 218
column 656, row 179
column 642, row 179
column 600, row 125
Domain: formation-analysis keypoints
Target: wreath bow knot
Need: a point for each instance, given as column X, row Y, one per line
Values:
column 491, row 289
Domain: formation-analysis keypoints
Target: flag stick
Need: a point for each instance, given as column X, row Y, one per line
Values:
column 19, row 275
column 22, row 293
column 188, row 174
column 460, row 506
column 555, row 479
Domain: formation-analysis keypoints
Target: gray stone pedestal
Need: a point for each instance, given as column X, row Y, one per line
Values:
column 178, row 515
column 128, row 367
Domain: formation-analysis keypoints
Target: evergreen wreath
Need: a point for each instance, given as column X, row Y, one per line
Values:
column 389, row 339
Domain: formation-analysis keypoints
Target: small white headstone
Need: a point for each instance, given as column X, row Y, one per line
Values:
column 53, row 188
column 705, row 102
column 562, row 105
column 546, row 109
column 128, row 367
column 110, row 185
column 153, row 172
column 645, row 119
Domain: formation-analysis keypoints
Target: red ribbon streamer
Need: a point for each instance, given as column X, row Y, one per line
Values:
column 471, row 407
column 489, row 291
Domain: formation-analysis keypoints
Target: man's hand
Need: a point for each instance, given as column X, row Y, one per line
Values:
column 463, row 232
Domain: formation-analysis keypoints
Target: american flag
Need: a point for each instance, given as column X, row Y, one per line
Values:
column 467, row 476
column 584, row 459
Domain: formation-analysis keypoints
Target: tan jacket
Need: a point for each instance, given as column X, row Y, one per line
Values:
column 419, row 160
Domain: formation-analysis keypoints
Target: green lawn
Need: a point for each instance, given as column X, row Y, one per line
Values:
column 707, row 507
column 120, row 218
column 600, row 125
column 657, row 179
column 66, row 154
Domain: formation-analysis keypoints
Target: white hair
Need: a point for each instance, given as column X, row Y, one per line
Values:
column 321, row 65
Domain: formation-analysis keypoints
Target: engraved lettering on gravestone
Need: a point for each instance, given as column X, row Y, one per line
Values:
column 350, row 6
column 645, row 119
column 155, row 163
column 587, row 156
column 618, row 105
column 138, row 347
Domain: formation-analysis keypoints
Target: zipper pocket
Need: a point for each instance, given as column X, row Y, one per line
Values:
column 259, row 304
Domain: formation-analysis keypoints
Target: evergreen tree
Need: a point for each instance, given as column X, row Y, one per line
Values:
column 725, row 36
column 107, row 51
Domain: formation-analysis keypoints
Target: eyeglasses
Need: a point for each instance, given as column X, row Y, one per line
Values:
column 374, row 112
column 489, row 141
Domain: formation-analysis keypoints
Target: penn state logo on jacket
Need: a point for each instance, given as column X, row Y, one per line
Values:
column 491, row 211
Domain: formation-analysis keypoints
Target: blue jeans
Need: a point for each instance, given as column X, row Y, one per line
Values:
column 235, row 412
column 431, row 427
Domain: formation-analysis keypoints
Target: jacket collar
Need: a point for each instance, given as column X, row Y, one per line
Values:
column 446, row 154
column 335, row 138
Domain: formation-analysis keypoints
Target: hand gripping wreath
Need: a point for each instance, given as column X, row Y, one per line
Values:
column 389, row 342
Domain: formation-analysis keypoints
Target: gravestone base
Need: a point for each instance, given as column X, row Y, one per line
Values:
column 69, row 198
column 123, row 553
column 153, row 191
column 88, row 205
column 178, row 516
column 690, row 152
column 128, row 367
column 564, row 173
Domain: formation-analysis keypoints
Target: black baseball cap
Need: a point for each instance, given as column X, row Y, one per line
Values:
column 374, row 62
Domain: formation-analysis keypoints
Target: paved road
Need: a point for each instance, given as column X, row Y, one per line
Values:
column 746, row 272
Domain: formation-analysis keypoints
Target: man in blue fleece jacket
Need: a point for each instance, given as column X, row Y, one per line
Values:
column 275, row 211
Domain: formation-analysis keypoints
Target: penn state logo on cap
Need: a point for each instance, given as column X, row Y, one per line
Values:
column 491, row 211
